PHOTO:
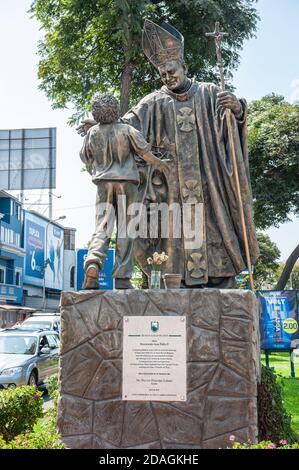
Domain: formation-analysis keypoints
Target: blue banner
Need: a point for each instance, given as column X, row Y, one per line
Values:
column 54, row 257
column 105, row 277
column 278, row 319
column 34, row 249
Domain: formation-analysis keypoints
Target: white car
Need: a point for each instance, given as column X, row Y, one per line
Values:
column 42, row 321
column 27, row 356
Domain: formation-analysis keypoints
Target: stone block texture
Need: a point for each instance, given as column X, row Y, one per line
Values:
column 222, row 371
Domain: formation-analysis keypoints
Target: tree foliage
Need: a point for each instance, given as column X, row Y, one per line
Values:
column 273, row 127
column 274, row 423
column 268, row 263
column 292, row 281
column 267, row 266
column 94, row 45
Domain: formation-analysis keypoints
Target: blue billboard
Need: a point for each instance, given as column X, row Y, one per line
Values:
column 43, row 243
column 105, row 277
column 34, row 244
column 54, row 257
column 278, row 319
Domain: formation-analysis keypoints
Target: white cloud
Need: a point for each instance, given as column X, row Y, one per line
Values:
column 295, row 92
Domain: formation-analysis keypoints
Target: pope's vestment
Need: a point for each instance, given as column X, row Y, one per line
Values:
column 190, row 130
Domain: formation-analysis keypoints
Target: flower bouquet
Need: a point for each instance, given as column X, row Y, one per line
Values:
column 156, row 262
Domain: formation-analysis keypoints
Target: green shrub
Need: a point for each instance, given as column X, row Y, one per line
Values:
column 20, row 408
column 44, row 433
column 274, row 423
column 34, row 440
column 52, row 387
column 264, row 445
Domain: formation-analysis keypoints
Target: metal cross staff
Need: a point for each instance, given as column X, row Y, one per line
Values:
column 218, row 35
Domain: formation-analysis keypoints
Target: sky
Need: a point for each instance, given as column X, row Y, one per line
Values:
column 269, row 63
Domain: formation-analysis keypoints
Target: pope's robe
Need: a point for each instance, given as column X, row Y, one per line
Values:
column 190, row 130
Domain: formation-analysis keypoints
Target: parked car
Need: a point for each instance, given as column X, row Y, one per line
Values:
column 27, row 357
column 44, row 321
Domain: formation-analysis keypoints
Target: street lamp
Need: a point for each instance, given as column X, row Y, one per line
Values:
column 45, row 258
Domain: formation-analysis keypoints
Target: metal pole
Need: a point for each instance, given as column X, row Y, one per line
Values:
column 45, row 259
column 50, row 205
column 45, row 267
column 292, row 363
column 22, row 167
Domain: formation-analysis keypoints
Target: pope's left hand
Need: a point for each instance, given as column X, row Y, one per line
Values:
column 230, row 101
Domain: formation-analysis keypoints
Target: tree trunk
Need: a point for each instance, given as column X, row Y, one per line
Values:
column 125, row 87
column 282, row 281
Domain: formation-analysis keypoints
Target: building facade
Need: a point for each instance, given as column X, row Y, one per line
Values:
column 49, row 258
column 37, row 257
column 12, row 253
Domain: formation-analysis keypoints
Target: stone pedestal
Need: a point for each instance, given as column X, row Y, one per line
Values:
column 222, row 370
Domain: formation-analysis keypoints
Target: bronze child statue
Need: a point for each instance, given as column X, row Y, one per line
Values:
column 108, row 152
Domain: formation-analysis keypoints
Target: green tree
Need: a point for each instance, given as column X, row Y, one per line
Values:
column 292, row 278
column 273, row 127
column 95, row 45
column 268, row 263
column 267, row 266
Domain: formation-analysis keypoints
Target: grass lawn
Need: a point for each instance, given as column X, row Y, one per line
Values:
column 281, row 364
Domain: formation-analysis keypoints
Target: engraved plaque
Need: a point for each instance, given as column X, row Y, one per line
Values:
column 154, row 358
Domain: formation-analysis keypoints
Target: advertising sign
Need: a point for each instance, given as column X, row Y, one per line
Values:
column 54, row 257
column 278, row 319
column 34, row 244
column 28, row 158
column 43, row 243
column 105, row 277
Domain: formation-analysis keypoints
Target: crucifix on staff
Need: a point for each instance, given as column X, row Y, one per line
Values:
column 223, row 97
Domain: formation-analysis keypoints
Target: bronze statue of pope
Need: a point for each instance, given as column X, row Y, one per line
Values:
column 184, row 121
column 185, row 124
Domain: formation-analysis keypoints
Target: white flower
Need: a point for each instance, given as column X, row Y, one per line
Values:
column 158, row 258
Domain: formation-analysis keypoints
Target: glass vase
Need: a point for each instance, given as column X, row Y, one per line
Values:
column 155, row 281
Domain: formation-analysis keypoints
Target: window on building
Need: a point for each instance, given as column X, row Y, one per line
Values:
column 72, row 277
column 2, row 275
column 73, row 240
column 69, row 239
column 17, row 239
column 18, row 278
column 7, row 235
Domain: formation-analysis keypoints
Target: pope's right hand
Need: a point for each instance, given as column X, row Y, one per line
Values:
column 163, row 167
column 84, row 126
